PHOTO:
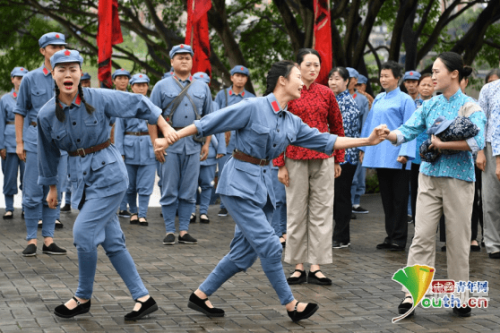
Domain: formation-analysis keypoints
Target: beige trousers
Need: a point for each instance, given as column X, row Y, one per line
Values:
column 453, row 197
column 309, row 211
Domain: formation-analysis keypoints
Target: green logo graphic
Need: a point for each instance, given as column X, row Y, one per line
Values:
column 416, row 279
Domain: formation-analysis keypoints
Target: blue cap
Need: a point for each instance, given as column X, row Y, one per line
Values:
column 411, row 75
column 240, row 70
column 18, row 71
column 139, row 78
column 362, row 79
column 52, row 38
column 182, row 48
column 85, row 76
column 202, row 76
column 119, row 72
column 65, row 56
column 352, row 72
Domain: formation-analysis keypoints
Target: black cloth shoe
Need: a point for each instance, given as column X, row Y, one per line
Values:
column 344, row 245
column 494, row 255
column 297, row 280
column 192, row 219
column 222, row 212
column 336, row 245
column 405, row 307
column 283, row 244
column 187, row 239
column 59, row 225
column 124, row 213
column 22, row 215
column 296, row 316
column 463, row 312
column 40, row 224
column 475, row 248
column 203, row 219
column 359, row 210
column 53, row 249
column 312, row 278
column 396, row 247
column 383, row 246
column 353, row 216
column 30, row 251
column 8, row 216
column 143, row 222
column 169, row 239
column 147, row 307
column 200, row 305
column 135, row 221
column 63, row 312
column 410, row 219
column 443, row 248
column 66, row 208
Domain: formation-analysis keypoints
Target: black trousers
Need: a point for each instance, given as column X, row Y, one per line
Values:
column 342, row 207
column 394, row 190
column 477, row 206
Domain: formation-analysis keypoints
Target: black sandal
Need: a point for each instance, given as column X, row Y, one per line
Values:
column 143, row 223
column 134, row 221
column 81, row 308
column 8, row 216
column 405, row 307
column 147, row 307
column 299, row 279
column 200, row 305
column 296, row 316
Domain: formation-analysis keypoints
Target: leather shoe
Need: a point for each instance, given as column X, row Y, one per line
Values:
column 81, row 308
column 297, row 280
column 494, row 255
column 200, row 305
column 296, row 316
column 383, row 246
column 396, row 247
column 147, row 307
column 463, row 312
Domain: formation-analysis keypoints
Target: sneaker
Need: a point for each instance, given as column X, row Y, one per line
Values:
column 59, row 225
column 410, row 219
column 222, row 212
column 30, row 251
column 53, row 249
column 359, row 210
column 336, row 245
column 169, row 239
column 187, row 239
column 66, row 208
column 344, row 245
column 124, row 213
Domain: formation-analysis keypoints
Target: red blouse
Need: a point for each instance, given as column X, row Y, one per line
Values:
column 318, row 108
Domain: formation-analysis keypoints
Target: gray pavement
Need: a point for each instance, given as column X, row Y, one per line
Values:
column 362, row 298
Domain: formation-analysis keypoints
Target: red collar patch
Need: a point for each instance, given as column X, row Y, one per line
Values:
column 190, row 78
column 230, row 92
column 14, row 94
column 242, row 94
column 78, row 100
column 276, row 108
column 45, row 71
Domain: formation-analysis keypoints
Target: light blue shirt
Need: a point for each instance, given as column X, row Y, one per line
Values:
column 460, row 165
column 489, row 100
column 421, row 138
column 37, row 87
column 102, row 173
column 232, row 99
column 262, row 130
column 393, row 109
column 138, row 150
column 165, row 92
column 8, row 132
column 217, row 145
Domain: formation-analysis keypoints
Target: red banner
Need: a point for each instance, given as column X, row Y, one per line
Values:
column 323, row 38
column 197, row 34
column 109, row 33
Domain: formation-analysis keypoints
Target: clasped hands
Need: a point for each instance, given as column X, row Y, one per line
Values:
column 378, row 134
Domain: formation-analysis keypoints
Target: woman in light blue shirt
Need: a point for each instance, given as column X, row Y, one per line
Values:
column 447, row 185
column 392, row 107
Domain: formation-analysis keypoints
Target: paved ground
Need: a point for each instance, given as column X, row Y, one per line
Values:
column 362, row 299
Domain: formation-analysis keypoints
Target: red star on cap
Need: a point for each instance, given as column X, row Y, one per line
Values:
column 242, row 68
column 182, row 46
column 201, row 75
column 122, row 69
column 67, row 52
column 140, row 75
column 411, row 73
column 22, row 69
column 57, row 35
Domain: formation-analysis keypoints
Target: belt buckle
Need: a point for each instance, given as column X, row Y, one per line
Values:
column 262, row 162
column 81, row 152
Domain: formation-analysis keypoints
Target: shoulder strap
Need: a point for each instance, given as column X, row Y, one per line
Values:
column 468, row 109
column 177, row 100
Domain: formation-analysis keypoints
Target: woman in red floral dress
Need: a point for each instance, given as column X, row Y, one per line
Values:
column 309, row 178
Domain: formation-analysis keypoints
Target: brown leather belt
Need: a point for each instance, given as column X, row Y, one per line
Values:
column 85, row 151
column 33, row 123
column 137, row 133
column 10, row 123
column 250, row 159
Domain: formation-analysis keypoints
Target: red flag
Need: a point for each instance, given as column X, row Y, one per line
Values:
column 323, row 38
column 197, row 34
column 109, row 33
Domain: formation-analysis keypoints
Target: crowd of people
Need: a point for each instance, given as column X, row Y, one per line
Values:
column 290, row 165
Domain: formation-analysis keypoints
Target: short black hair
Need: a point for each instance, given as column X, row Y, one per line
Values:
column 423, row 76
column 305, row 51
column 494, row 71
column 397, row 69
column 342, row 72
